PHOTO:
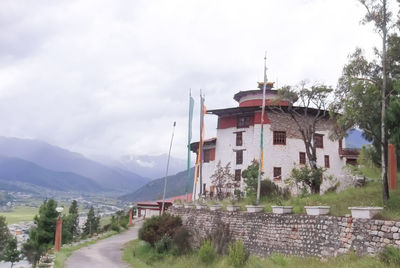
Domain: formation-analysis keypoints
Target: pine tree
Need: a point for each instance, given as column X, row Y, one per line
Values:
column 4, row 233
column 11, row 253
column 41, row 237
column 92, row 222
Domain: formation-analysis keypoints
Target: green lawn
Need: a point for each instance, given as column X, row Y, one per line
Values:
column 370, row 195
column 19, row 214
column 104, row 221
column 139, row 255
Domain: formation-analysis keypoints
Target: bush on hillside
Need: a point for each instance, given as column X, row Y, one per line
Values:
column 156, row 227
column 180, row 241
column 163, row 245
column 206, row 253
column 237, row 256
column 390, row 255
column 267, row 188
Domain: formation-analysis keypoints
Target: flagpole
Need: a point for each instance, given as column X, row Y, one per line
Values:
column 201, row 145
column 191, row 102
column 166, row 172
column 260, row 166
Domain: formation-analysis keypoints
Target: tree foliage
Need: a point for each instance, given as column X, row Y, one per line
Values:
column 223, row 179
column 11, row 252
column 5, row 234
column 41, row 237
column 367, row 86
column 156, row 227
column 312, row 110
column 307, row 177
column 267, row 187
column 70, row 223
column 92, row 223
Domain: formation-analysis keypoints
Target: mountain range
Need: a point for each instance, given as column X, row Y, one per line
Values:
column 38, row 163
column 154, row 189
column 149, row 166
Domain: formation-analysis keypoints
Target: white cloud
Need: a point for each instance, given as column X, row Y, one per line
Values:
column 110, row 77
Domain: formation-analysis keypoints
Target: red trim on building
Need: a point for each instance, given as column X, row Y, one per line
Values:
column 227, row 122
column 258, row 102
column 212, row 154
column 257, row 118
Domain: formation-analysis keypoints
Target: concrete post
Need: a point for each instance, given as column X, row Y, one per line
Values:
column 130, row 217
column 392, row 166
column 57, row 242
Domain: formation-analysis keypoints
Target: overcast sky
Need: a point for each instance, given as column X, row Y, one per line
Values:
column 110, row 77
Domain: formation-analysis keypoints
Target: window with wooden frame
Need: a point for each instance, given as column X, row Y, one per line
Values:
column 206, row 156
column 279, row 137
column 243, row 121
column 238, row 174
column 326, row 158
column 239, row 138
column 239, row 157
column 302, row 158
column 319, row 140
column 277, row 173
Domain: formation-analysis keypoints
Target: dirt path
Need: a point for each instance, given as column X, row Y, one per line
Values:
column 106, row 253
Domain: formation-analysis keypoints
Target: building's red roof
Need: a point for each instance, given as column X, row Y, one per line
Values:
column 194, row 146
column 169, row 200
column 179, row 197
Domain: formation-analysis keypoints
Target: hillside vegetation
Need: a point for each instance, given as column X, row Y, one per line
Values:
column 154, row 189
column 369, row 195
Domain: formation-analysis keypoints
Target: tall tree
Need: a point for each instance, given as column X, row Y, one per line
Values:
column 365, row 86
column 222, row 179
column 92, row 223
column 4, row 234
column 41, row 237
column 377, row 12
column 311, row 111
column 70, row 223
column 11, row 253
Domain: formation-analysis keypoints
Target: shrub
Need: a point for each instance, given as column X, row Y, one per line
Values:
column 163, row 245
column 155, row 228
column 309, row 178
column 279, row 259
column 115, row 227
column 237, row 254
column 270, row 189
column 206, row 253
column 221, row 238
column 390, row 255
column 180, row 241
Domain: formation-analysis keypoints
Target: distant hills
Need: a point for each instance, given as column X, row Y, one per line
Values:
column 15, row 169
column 148, row 166
column 355, row 140
column 39, row 163
column 154, row 189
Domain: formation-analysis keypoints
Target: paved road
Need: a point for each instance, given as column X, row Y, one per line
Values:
column 106, row 253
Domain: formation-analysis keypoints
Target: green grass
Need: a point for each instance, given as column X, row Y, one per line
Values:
column 140, row 255
column 370, row 195
column 19, row 214
column 104, row 221
column 65, row 252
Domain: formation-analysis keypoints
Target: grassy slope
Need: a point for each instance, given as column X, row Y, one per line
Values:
column 139, row 255
column 20, row 214
column 370, row 195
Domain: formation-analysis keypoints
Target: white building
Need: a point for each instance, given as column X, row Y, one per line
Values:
column 238, row 142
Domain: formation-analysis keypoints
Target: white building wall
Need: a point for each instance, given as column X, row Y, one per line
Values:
column 284, row 156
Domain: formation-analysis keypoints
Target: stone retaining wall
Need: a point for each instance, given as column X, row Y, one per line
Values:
column 294, row 234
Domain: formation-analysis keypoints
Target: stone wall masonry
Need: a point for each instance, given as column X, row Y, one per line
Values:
column 294, row 234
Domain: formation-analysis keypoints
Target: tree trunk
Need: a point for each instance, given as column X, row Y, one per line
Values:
column 385, row 187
